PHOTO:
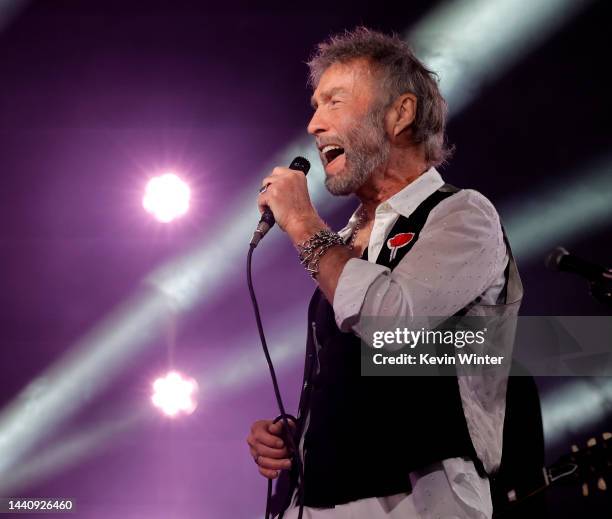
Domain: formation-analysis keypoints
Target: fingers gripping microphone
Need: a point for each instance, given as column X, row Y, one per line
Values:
column 267, row 220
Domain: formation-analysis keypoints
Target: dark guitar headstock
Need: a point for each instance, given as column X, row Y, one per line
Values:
column 593, row 464
column 589, row 468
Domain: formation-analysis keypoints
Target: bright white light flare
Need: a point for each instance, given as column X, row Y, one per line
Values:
column 174, row 394
column 166, row 197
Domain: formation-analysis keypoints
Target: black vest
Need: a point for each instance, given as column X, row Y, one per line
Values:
column 366, row 434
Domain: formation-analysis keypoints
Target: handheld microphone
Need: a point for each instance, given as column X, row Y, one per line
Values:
column 560, row 259
column 267, row 220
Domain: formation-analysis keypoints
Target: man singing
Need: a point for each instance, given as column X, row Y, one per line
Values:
column 387, row 447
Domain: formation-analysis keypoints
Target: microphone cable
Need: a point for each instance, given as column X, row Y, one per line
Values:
column 279, row 401
column 266, row 222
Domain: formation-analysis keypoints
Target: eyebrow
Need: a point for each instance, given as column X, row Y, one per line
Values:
column 328, row 94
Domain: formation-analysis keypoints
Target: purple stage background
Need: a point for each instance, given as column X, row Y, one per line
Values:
column 96, row 96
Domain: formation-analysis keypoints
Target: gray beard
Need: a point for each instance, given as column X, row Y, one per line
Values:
column 366, row 149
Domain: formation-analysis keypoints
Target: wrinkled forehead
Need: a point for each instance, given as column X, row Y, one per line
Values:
column 357, row 77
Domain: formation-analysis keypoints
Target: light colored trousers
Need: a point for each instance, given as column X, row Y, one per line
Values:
column 451, row 489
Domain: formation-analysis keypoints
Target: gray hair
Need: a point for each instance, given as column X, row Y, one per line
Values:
column 402, row 72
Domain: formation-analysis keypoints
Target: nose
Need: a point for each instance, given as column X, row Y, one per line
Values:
column 317, row 124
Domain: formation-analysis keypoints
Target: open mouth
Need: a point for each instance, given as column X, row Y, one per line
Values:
column 331, row 152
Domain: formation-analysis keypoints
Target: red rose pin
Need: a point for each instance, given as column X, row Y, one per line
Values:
column 398, row 241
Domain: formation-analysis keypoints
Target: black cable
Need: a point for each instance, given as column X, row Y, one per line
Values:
column 279, row 400
column 268, row 499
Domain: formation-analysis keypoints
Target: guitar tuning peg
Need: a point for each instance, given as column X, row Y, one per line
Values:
column 575, row 448
column 606, row 436
column 601, row 484
column 591, row 442
column 585, row 489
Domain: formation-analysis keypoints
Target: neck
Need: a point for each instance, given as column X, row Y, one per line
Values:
column 403, row 167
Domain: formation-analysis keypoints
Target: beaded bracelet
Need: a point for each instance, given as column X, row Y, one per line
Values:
column 313, row 249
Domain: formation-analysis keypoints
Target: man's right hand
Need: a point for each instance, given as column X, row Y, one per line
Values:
column 268, row 447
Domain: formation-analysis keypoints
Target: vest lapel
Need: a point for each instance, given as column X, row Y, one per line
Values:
column 406, row 230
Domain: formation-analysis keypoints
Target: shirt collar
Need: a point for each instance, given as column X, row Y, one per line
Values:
column 408, row 199
column 403, row 202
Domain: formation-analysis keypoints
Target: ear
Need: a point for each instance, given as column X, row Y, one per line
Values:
column 404, row 111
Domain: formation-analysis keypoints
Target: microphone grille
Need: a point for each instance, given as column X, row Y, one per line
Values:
column 300, row 164
column 554, row 257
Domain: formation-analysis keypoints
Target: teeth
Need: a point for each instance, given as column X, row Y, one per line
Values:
column 330, row 147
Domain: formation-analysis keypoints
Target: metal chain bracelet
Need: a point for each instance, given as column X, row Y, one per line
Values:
column 313, row 249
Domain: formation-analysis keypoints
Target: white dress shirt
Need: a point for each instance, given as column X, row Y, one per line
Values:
column 457, row 262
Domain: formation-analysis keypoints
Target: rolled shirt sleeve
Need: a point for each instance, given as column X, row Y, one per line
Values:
column 459, row 254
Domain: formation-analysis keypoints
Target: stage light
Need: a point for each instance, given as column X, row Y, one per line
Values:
column 174, row 394
column 166, row 197
column 242, row 367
